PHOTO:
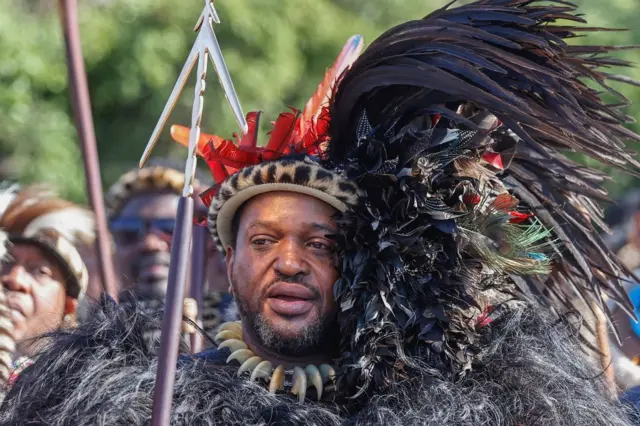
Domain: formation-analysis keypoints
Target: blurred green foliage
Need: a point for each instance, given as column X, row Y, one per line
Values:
column 277, row 52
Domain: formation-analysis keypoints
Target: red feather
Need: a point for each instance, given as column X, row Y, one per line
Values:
column 494, row 159
column 517, row 217
column 229, row 155
column 304, row 132
column 281, row 137
column 505, row 202
column 180, row 134
column 320, row 99
column 207, row 196
column 250, row 139
column 471, row 199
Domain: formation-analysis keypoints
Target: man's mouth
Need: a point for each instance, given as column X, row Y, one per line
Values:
column 17, row 310
column 17, row 316
column 153, row 268
column 154, row 273
column 290, row 299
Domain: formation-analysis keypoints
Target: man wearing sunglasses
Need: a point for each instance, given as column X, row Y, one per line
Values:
column 142, row 207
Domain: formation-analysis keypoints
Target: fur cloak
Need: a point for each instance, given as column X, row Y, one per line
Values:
column 103, row 374
column 454, row 128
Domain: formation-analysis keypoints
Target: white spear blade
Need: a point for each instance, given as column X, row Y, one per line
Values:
column 214, row 14
column 171, row 103
column 205, row 44
column 225, row 79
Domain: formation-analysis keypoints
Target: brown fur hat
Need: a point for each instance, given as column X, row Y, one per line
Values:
column 300, row 176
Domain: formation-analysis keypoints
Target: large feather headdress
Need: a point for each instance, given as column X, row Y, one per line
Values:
column 464, row 118
column 454, row 130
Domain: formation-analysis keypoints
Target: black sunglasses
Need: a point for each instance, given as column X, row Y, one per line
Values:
column 130, row 229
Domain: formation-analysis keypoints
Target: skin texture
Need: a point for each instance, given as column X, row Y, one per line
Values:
column 35, row 293
column 143, row 260
column 284, row 238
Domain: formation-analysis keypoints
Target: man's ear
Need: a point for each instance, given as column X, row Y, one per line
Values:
column 70, row 305
column 229, row 258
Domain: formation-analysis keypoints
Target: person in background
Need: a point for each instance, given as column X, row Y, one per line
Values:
column 624, row 240
column 141, row 209
column 42, row 275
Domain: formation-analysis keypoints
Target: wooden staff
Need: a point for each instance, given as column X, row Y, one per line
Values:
column 81, row 104
column 198, row 278
column 205, row 48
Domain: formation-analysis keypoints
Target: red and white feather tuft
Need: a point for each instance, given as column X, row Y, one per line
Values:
column 294, row 132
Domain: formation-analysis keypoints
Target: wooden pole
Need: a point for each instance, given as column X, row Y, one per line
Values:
column 81, row 104
column 172, row 320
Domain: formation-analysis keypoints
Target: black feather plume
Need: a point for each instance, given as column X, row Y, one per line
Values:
column 446, row 234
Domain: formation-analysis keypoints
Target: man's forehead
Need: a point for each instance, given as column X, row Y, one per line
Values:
column 151, row 204
column 278, row 209
column 328, row 226
column 25, row 251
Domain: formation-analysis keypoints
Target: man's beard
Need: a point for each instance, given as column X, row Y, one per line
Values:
column 150, row 285
column 310, row 341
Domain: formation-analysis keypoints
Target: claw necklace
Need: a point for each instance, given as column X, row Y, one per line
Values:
column 321, row 377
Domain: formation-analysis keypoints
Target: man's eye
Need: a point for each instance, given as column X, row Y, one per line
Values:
column 320, row 245
column 8, row 266
column 42, row 271
column 127, row 237
column 261, row 241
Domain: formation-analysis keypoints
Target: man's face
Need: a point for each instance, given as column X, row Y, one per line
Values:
column 282, row 271
column 143, row 233
column 33, row 284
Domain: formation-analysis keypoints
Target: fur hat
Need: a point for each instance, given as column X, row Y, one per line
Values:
column 304, row 177
column 452, row 130
column 36, row 215
column 156, row 176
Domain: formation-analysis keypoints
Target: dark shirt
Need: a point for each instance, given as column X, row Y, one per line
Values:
column 213, row 356
column 632, row 397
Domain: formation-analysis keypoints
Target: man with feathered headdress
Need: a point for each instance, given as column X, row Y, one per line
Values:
column 401, row 251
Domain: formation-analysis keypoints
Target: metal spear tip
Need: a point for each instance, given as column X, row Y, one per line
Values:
column 206, row 44
column 237, row 112
column 147, row 152
column 225, row 79
column 198, row 24
column 212, row 9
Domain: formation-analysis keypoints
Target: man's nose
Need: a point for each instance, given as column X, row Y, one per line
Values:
column 15, row 279
column 291, row 260
column 155, row 240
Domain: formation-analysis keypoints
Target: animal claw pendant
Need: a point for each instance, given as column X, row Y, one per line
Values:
column 321, row 377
